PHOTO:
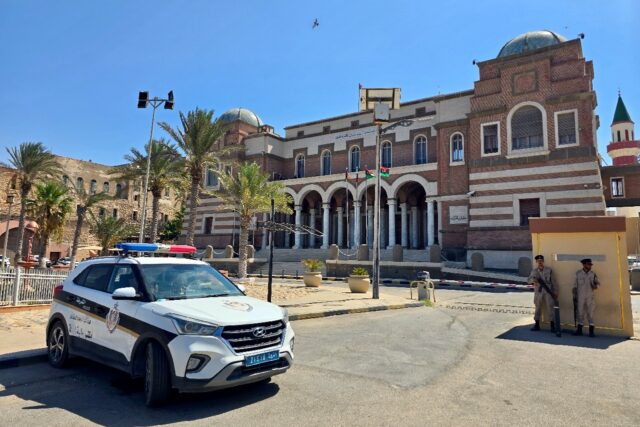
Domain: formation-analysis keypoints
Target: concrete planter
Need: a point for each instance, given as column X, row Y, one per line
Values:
column 312, row 279
column 359, row 284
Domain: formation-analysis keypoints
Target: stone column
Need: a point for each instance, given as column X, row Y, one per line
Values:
column 430, row 223
column 370, row 226
column 414, row 227
column 392, row 223
column 312, row 224
column 298, row 243
column 356, row 223
column 424, row 228
column 340, row 210
column 325, row 225
column 383, row 229
column 404, row 232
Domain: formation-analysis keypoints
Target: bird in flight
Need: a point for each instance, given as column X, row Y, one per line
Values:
column 315, row 23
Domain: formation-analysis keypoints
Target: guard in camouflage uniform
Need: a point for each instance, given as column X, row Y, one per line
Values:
column 541, row 296
column 585, row 285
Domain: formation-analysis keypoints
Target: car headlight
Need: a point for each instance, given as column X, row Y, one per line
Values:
column 285, row 314
column 187, row 326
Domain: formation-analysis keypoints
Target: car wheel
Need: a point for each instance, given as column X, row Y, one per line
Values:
column 58, row 345
column 157, row 383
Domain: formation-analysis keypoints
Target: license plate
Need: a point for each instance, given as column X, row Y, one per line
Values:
column 258, row 359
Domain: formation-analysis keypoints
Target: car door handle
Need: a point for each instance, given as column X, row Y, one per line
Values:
column 101, row 311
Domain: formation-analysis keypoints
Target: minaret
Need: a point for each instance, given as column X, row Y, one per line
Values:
column 624, row 148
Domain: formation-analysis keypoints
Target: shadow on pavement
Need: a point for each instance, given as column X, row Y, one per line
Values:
column 108, row 397
column 544, row 336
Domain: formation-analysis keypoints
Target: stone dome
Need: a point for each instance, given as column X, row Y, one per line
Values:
column 530, row 41
column 242, row 114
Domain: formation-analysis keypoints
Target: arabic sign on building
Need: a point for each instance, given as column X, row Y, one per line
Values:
column 458, row 214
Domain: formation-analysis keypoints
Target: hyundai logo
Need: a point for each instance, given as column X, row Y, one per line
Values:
column 259, row 332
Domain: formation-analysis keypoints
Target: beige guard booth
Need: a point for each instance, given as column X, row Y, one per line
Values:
column 564, row 242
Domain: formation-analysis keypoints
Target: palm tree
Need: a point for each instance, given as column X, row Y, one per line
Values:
column 197, row 139
column 51, row 207
column 85, row 201
column 249, row 192
column 32, row 162
column 110, row 230
column 166, row 171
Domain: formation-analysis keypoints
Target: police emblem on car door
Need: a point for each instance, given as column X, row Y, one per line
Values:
column 113, row 318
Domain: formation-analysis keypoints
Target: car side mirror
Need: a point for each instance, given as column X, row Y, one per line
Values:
column 125, row 294
column 242, row 288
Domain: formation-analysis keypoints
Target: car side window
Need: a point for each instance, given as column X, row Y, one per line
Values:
column 123, row 277
column 95, row 277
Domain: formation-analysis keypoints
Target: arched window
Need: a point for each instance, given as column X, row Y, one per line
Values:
column 326, row 163
column 385, row 155
column 65, row 180
column 80, row 184
column 300, row 166
column 105, row 187
column 457, row 148
column 211, row 178
column 527, row 128
column 93, row 187
column 118, row 190
column 420, row 144
column 354, row 159
column 619, row 139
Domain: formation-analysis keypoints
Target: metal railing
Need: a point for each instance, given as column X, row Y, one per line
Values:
column 27, row 287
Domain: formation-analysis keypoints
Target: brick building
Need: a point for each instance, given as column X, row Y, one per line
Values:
column 93, row 177
column 466, row 174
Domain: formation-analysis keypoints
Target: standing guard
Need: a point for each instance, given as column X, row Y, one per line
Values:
column 544, row 292
column 586, row 282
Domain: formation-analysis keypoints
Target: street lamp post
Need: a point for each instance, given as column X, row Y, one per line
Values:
column 143, row 101
column 10, row 197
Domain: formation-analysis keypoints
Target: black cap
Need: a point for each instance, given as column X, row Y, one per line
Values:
column 539, row 257
column 586, row 261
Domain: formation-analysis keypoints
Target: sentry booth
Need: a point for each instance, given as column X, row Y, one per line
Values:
column 564, row 242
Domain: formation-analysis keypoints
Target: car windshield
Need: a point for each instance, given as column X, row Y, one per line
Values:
column 185, row 281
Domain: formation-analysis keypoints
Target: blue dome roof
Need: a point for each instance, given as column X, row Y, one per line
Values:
column 530, row 41
column 242, row 114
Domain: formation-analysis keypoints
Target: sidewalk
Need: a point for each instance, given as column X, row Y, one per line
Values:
column 22, row 333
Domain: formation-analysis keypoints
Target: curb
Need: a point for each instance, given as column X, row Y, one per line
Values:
column 328, row 313
column 23, row 358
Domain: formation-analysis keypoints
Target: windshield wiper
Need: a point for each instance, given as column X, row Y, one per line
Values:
column 214, row 295
column 176, row 297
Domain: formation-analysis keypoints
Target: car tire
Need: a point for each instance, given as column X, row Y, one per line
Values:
column 58, row 345
column 157, row 382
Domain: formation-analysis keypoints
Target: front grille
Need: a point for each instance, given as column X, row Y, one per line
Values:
column 242, row 339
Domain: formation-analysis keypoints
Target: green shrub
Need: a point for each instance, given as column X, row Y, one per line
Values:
column 312, row 264
column 359, row 271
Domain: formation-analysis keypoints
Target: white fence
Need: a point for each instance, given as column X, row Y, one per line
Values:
column 25, row 287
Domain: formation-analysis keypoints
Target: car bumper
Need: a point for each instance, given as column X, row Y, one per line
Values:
column 224, row 368
column 235, row 374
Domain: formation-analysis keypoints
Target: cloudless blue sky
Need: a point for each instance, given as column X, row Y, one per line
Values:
column 70, row 71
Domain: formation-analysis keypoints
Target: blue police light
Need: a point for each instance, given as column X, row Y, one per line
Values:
column 155, row 247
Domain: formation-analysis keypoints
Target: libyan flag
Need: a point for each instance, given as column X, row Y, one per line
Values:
column 368, row 174
column 384, row 171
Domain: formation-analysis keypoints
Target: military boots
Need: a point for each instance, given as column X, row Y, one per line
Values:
column 592, row 331
column 536, row 327
column 578, row 330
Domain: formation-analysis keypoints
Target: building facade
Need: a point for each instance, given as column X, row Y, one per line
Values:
column 466, row 173
column 93, row 177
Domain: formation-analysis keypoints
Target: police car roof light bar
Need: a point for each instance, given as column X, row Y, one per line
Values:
column 156, row 247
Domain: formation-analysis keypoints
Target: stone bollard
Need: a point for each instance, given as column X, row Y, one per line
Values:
column 228, row 251
column 397, row 253
column 435, row 253
column 524, row 266
column 477, row 261
column 333, row 252
column 251, row 251
column 363, row 253
column 208, row 252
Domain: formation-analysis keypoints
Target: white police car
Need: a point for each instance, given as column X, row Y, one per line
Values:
column 177, row 322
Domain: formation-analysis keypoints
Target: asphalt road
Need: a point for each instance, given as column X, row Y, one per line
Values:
column 421, row 366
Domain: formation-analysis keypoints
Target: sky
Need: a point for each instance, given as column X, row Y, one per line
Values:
column 70, row 71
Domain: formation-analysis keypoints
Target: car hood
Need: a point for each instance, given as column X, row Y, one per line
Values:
column 236, row 310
